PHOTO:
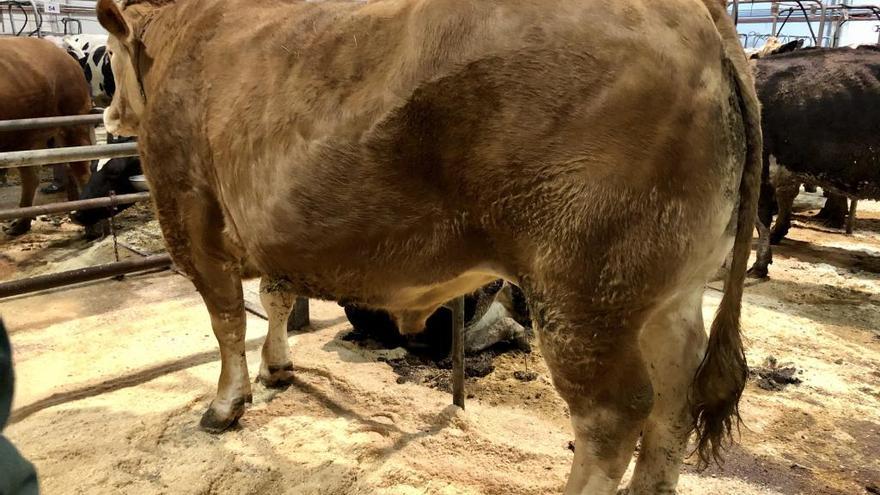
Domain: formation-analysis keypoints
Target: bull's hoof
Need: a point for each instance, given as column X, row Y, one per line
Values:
column 52, row 188
column 17, row 227
column 214, row 421
column 97, row 230
column 833, row 223
column 778, row 233
column 277, row 376
column 757, row 272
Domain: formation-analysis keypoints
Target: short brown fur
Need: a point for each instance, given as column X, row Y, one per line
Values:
column 397, row 153
column 39, row 79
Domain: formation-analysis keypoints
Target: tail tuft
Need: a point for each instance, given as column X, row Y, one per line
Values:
column 718, row 385
column 721, row 377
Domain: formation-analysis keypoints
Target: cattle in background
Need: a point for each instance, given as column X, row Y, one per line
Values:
column 493, row 314
column 820, row 116
column 91, row 52
column 113, row 175
column 774, row 46
column 38, row 79
column 604, row 156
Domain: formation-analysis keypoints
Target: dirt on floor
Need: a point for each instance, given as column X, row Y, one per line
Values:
column 55, row 244
column 113, row 376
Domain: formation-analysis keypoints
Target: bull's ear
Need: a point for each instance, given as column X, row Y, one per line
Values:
column 110, row 16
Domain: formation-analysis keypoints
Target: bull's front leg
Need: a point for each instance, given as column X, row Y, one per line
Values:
column 276, row 368
column 222, row 293
column 199, row 247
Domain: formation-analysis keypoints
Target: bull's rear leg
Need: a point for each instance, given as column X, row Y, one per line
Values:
column 763, row 252
column 833, row 213
column 79, row 176
column 673, row 342
column 597, row 367
column 276, row 368
column 785, row 196
column 851, row 218
column 79, row 171
column 77, row 180
column 30, row 179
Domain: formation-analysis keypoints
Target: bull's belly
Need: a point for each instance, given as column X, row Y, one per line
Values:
column 416, row 269
column 829, row 182
column 427, row 296
column 390, row 289
column 404, row 292
column 415, row 274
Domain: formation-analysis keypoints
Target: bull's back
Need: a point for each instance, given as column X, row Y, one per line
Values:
column 355, row 130
column 546, row 71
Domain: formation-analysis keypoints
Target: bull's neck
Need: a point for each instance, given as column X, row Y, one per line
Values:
column 157, row 27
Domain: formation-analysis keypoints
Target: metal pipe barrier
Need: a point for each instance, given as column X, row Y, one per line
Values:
column 48, row 122
column 83, row 204
column 33, row 158
column 457, row 351
column 79, row 275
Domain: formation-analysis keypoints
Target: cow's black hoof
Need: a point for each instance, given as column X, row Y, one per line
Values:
column 778, row 233
column 215, row 422
column 277, row 376
column 17, row 227
column 757, row 272
column 52, row 188
column 833, row 223
column 97, row 230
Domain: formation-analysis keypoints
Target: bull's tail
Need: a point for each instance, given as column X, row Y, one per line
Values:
column 722, row 375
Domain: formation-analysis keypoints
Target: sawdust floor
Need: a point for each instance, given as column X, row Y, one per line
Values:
column 113, row 376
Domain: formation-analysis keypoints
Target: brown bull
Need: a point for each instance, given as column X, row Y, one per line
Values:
column 39, row 79
column 397, row 153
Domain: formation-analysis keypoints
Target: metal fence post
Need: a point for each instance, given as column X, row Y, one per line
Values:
column 457, row 351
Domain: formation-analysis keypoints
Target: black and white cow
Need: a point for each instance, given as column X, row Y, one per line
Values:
column 820, row 116
column 107, row 175
column 91, row 52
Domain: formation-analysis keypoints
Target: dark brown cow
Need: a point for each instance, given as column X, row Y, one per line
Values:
column 39, row 79
column 821, row 122
column 396, row 153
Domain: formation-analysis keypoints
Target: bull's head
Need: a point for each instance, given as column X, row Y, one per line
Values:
column 127, row 59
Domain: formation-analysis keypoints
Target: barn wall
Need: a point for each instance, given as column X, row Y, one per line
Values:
column 51, row 23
